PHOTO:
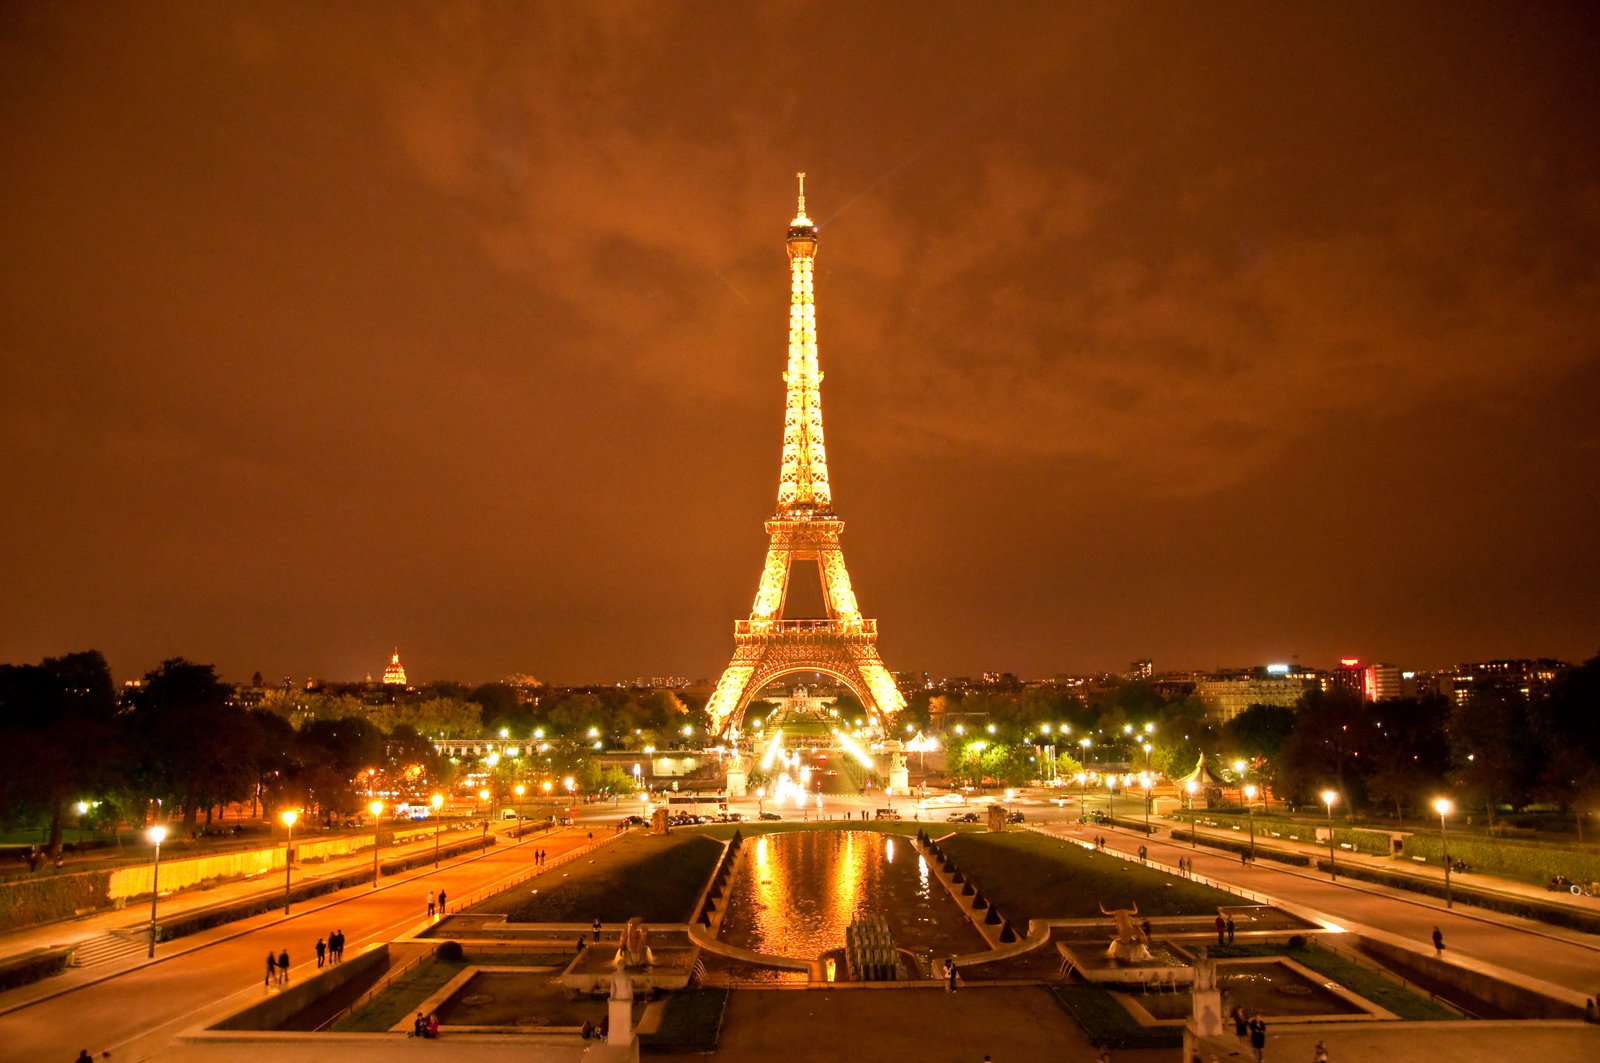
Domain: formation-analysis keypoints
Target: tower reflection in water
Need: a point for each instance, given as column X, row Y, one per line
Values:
column 797, row 891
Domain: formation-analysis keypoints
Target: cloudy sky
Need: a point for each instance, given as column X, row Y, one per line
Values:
column 1215, row 333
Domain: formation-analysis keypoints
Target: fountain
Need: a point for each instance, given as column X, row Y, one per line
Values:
column 1131, row 944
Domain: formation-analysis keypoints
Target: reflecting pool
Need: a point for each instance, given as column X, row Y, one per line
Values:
column 795, row 892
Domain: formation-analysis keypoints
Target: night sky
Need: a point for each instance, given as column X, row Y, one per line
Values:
column 1211, row 333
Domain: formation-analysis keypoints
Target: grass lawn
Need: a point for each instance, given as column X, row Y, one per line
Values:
column 1032, row 876
column 400, row 999
column 1108, row 1024
column 658, row 878
column 692, row 1022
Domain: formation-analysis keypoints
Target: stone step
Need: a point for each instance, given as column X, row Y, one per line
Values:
column 107, row 947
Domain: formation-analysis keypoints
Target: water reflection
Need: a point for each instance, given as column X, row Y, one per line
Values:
column 798, row 891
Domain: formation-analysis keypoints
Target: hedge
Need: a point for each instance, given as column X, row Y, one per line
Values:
column 28, row 902
column 222, row 914
column 1281, row 856
column 1554, row 914
column 1533, row 863
column 32, row 966
column 1133, row 824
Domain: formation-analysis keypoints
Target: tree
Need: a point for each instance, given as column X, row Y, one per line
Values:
column 186, row 731
column 1493, row 748
column 58, row 723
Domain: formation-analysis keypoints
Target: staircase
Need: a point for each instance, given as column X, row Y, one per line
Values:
column 107, row 947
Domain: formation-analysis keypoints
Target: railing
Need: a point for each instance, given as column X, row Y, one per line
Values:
column 859, row 628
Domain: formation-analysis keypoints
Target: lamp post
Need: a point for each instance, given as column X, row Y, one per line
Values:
column 761, row 801
column 157, row 834
column 437, row 802
column 1083, row 797
column 519, row 790
column 1250, row 792
column 1111, row 799
column 483, row 795
column 1194, row 814
column 1144, row 781
column 288, row 816
column 376, row 808
column 1444, row 807
column 1328, row 798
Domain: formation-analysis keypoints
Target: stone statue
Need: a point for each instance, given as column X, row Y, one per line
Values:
column 1131, row 943
column 621, row 985
column 1205, row 971
column 633, row 951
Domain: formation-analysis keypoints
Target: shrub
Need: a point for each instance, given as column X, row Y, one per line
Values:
column 1262, row 852
column 1528, row 908
column 449, row 952
column 31, row 967
column 30, row 901
column 1107, row 1023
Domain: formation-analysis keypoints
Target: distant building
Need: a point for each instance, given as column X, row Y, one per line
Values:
column 1528, row 676
column 1381, row 682
column 395, row 674
column 1142, row 669
column 1350, row 675
column 1226, row 694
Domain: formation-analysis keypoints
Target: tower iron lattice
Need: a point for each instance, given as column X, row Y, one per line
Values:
column 804, row 527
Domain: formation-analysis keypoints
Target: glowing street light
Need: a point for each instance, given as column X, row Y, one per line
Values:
column 1444, row 808
column 288, row 816
column 1328, row 798
column 437, row 801
column 1144, row 781
column 519, row 790
column 1194, row 813
column 157, row 834
column 376, row 808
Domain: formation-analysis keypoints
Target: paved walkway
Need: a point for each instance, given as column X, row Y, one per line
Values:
column 134, row 920
column 1564, row 964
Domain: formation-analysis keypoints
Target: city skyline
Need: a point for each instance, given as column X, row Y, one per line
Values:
column 1211, row 339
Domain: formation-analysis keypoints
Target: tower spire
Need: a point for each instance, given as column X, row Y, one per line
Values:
column 800, row 214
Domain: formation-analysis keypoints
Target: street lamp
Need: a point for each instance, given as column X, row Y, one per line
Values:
column 1111, row 799
column 1250, row 792
column 1444, row 808
column 438, row 802
column 1147, row 747
column 1144, row 781
column 288, row 816
column 1328, row 798
column 376, row 808
column 1194, row 814
column 157, row 834
column 761, row 801
column 1083, row 797
column 519, row 789
column 483, row 795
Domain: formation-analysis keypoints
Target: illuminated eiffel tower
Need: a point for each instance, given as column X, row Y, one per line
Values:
column 803, row 528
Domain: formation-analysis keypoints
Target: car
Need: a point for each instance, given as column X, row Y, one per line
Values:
column 635, row 821
column 885, row 813
column 1014, row 817
column 770, row 816
column 969, row 817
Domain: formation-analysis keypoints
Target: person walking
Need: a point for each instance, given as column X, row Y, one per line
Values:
column 442, row 908
column 1319, row 1054
column 1230, row 930
column 1438, row 942
column 1258, row 1035
column 322, row 951
column 283, row 967
column 1222, row 930
column 433, row 903
column 336, row 946
column 1244, row 857
column 272, row 968
column 1241, row 1024
column 950, row 975
column 595, row 926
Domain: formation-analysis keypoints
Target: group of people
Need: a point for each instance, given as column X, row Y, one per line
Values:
column 538, row 857
column 277, row 968
column 425, row 1026
column 601, row 1031
column 436, row 902
column 1224, row 930
column 1100, row 842
column 1251, row 1027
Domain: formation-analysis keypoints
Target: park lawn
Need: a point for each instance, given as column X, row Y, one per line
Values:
column 658, row 878
column 399, row 999
column 1033, row 876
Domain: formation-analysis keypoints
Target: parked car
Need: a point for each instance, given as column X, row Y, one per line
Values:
column 1014, row 817
column 969, row 817
column 885, row 813
column 634, row 821
column 770, row 815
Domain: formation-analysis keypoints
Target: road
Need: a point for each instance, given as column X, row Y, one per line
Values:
column 136, row 1013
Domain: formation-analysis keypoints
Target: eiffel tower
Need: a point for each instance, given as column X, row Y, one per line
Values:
column 803, row 528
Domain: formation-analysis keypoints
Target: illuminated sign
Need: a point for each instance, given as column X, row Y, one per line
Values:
column 1277, row 669
column 1349, row 662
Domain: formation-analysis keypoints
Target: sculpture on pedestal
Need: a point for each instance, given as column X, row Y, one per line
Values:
column 1131, row 943
column 633, row 951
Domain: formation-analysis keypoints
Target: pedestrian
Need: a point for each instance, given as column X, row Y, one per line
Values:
column 419, row 1028
column 272, row 968
column 433, row 1028
column 338, row 946
column 595, row 926
column 1320, row 1053
column 84, row 1056
column 1222, row 930
column 441, row 902
column 580, row 943
column 950, row 974
column 1244, row 857
column 1258, row 1035
column 432, row 903
column 283, row 967
column 1438, row 942
column 322, row 952
column 1241, row 1023
column 1141, row 854
column 1230, row 930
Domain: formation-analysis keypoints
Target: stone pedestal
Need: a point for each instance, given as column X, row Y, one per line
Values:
column 620, row 1013
column 738, row 779
column 658, row 822
column 997, row 818
column 899, row 777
